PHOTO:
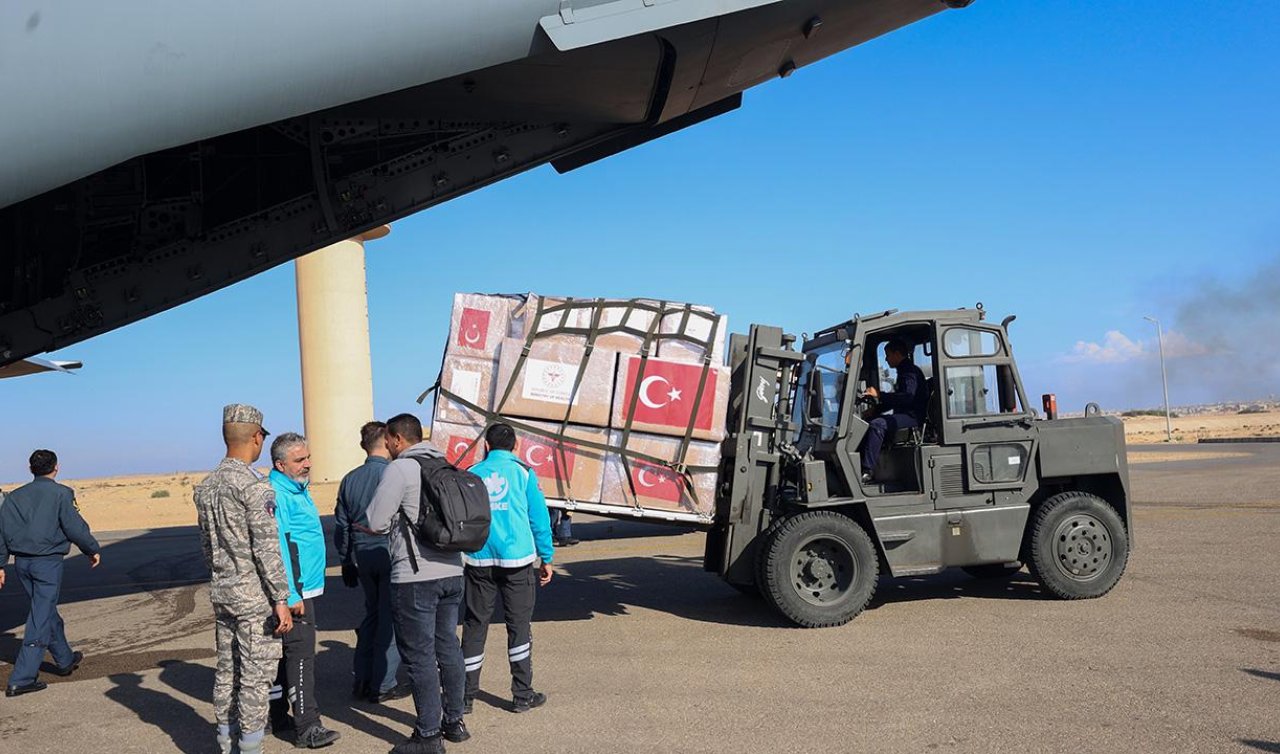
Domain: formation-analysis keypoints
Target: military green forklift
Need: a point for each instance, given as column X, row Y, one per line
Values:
column 987, row 484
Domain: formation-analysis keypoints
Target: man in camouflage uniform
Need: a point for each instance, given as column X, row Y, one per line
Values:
column 247, row 585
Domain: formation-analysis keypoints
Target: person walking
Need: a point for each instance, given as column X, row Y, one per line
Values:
column 425, row 598
column 366, row 563
column 38, row 524
column 247, row 583
column 303, row 547
column 514, row 563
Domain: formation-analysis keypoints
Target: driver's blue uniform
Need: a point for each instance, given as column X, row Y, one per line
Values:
column 909, row 402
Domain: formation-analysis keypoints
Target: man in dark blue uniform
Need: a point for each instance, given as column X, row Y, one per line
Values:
column 38, row 524
column 909, row 403
column 366, row 562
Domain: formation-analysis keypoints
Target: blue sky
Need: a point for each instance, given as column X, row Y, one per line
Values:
column 1078, row 164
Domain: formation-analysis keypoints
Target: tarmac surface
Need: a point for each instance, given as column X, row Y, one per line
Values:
column 640, row 650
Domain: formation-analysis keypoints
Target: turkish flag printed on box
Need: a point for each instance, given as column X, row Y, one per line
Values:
column 460, row 444
column 656, row 482
column 566, row 470
column 473, row 328
column 644, row 484
column 478, row 325
column 662, row 397
column 548, row 458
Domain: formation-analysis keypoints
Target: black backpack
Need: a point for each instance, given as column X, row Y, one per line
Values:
column 453, row 511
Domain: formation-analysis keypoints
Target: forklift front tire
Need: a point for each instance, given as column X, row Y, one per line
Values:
column 819, row 569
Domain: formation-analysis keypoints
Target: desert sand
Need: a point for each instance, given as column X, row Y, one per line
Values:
column 163, row 500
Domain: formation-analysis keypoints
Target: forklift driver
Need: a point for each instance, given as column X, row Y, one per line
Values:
column 909, row 403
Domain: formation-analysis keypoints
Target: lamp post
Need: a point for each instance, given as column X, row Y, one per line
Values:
column 1164, row 378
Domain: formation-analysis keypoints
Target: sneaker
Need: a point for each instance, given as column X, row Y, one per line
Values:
column 401, row 691
column 316, row 737
column 76, row 659
column 418, row 745
column 468, row 705
column 455, row 732
column 533, row 701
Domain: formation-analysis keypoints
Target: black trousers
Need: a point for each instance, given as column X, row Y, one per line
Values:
column 519, row 590
column 295, row 688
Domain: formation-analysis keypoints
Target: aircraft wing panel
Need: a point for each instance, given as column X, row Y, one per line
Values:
column 572, row 28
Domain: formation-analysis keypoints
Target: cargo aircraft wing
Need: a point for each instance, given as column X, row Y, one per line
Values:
column 195, row 144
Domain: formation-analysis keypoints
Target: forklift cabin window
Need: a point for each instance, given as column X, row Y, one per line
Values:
column 962, row 342
column 831, row 368
column 978, row 390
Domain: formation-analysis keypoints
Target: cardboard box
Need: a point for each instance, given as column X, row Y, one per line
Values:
column 460, row 443
column 659, row 487
column 634, row 323
column 545, row 382
column 698, row 325
column 664, row 403
column 469, row 379
column 479, row 324
column 565, row 470
column 523, row 315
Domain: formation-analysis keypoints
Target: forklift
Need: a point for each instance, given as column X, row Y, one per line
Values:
column 985, row 484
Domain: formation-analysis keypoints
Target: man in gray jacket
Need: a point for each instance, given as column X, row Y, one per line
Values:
column 425, row 600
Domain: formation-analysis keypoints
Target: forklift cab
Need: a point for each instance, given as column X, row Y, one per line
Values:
column 976, row 434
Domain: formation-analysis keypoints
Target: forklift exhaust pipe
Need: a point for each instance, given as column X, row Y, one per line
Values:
column 1050, row 406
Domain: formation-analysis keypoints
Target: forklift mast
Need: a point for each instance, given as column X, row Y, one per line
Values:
column 761, row 392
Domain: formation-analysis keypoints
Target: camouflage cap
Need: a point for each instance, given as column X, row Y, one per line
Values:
column 242, row 413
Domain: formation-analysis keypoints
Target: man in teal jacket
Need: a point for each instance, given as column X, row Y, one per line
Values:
column 303, row 547
column 514, row 562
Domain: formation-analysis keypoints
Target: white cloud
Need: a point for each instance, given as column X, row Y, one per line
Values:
column 1118, row 348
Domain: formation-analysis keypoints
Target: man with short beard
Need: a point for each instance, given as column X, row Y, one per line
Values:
column 303, row 547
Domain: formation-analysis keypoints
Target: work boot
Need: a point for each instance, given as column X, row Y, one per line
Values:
column 316, row 737
column 533, row 701
column 455, row 732
column 418, row 745
column 76, row 659
column 29, row 688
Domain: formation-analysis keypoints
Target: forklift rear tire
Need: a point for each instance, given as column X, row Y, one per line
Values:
column 819, row 569
column 993, row 570
column 1079, row 546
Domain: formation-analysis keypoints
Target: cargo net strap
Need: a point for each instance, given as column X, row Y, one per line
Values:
column 593, row 310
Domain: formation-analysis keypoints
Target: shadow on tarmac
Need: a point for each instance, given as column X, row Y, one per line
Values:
column 955, row 584
column 187, row 728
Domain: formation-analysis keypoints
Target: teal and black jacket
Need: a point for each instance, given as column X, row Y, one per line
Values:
column 302, row 545
column 520, row 526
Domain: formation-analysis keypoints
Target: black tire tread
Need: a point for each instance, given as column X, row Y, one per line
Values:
column 1043, row 514
column 774, row 590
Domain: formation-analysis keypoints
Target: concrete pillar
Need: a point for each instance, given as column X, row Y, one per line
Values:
column 333, row 335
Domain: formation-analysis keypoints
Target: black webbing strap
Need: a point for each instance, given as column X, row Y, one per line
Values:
column 410, row 543
column 558, row 456
column 629, row 407
column 524, row 356
column 527, row 428
column 697, row 399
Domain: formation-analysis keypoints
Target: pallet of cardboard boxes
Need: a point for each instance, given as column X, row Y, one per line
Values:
column 618, row 405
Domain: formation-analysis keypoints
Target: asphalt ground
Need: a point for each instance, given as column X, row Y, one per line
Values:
column 639, row 650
